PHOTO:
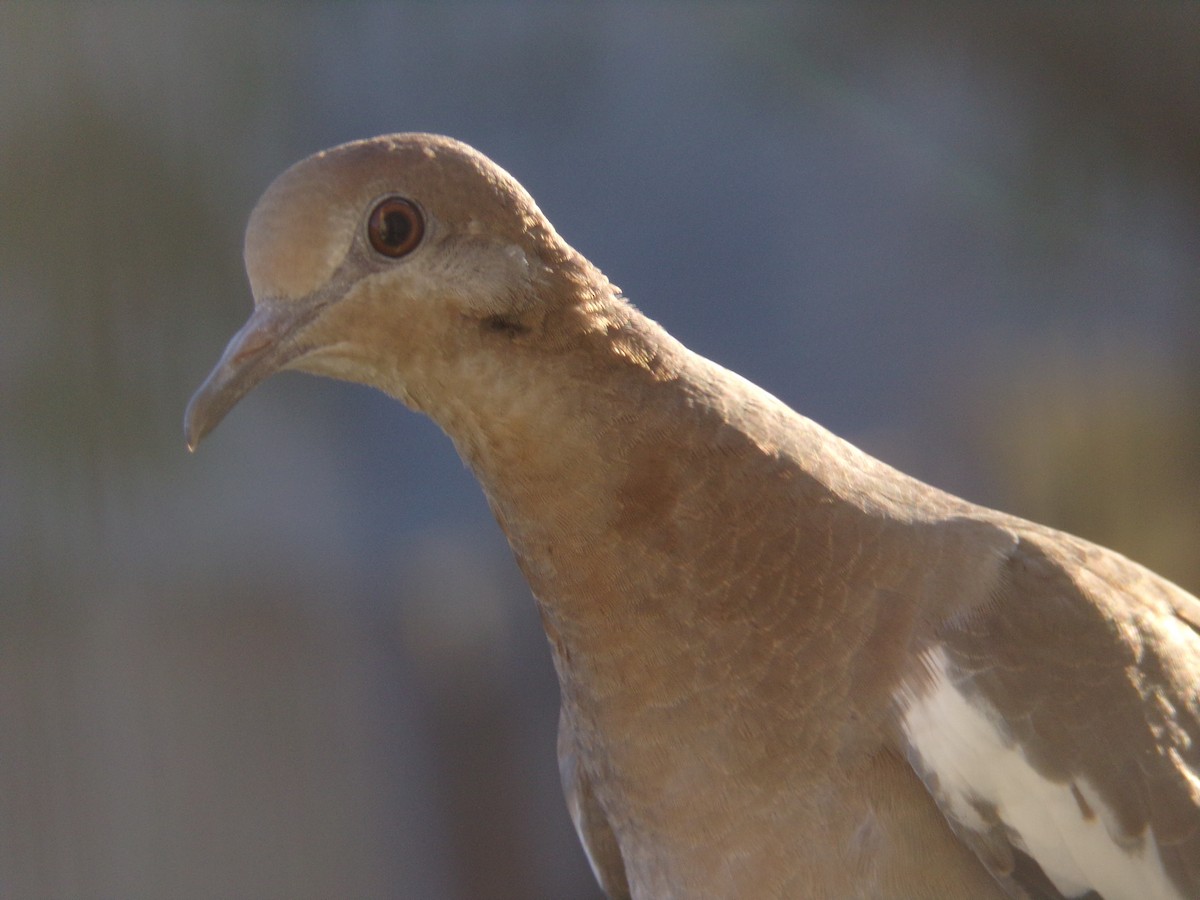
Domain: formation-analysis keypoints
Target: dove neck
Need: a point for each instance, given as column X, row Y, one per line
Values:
column 616, row 461
column 688, row 536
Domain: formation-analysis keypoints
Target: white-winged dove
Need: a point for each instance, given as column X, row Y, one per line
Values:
column 787, row 669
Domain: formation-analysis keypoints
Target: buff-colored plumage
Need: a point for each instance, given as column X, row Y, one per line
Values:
column 787, row 670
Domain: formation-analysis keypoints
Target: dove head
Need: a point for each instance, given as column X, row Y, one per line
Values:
column 389, row 262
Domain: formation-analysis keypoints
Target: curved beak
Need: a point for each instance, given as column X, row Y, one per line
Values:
column 263, row 346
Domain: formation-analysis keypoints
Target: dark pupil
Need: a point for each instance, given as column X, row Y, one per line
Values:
column 396, row 228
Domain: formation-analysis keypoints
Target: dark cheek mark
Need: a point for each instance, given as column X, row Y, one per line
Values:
column 499, row 324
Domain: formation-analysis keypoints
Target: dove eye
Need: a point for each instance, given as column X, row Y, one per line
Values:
column 395, row 227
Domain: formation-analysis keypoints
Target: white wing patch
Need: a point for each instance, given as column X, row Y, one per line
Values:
column 971, row 763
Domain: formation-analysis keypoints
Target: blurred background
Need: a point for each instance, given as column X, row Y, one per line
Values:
column 301, row 664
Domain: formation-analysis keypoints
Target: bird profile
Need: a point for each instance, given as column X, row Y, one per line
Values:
column 787, row 669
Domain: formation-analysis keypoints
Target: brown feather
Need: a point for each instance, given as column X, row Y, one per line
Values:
column 737, row 601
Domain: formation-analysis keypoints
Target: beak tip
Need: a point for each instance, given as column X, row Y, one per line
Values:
column 190, row 438
column 195, row 424
column 260, row 348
